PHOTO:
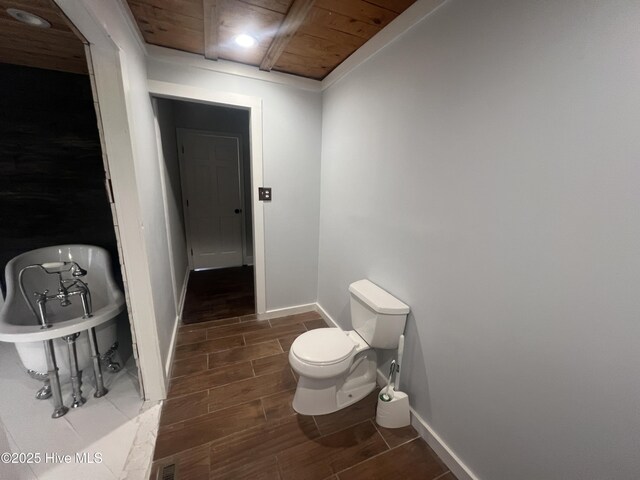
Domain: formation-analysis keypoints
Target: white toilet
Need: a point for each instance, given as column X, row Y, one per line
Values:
column 338, row 368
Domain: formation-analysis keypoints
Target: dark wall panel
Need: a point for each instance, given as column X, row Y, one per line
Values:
column 51, row 172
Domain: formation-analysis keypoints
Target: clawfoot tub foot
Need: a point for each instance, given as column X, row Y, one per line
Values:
column 108, row 361
column 45, row 391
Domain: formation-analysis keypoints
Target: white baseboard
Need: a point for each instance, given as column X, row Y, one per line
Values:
column 283, row 312
column 172, row 348
column 174, row 334
column 448, row 456
column 327, row 318
column 381, row 378
column 451, row 460
column 183, row 294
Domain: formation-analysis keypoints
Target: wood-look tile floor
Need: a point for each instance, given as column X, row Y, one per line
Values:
column 219, row 293
column 228, row 414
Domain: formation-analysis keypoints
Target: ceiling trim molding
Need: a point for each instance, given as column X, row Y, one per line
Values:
column 290, row 25
column 398, row 27
column 231, row 68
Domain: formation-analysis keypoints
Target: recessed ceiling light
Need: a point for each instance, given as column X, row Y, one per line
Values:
column 28, row 18
column 246, row 41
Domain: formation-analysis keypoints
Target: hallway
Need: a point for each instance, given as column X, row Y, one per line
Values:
column 219, row 293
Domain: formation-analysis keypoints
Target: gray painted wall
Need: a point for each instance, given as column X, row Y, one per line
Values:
column 173, row 195
column 484, row 169
column 291, row 164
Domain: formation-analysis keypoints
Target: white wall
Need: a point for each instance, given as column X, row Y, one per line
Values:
column 169, row 162
column 484, row 169
column 129, row 132
column 291, row 153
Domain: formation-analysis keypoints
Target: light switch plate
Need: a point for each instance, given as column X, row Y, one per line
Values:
column 264, row 194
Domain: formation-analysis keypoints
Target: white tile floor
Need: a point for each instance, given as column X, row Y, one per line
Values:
column 105, row 426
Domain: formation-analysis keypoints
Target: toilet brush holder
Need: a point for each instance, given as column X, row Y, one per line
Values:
column 393, row 413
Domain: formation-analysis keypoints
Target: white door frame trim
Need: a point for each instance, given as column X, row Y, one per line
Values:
column 254, row 106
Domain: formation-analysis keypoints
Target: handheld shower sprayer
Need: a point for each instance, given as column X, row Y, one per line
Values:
column 59, row 267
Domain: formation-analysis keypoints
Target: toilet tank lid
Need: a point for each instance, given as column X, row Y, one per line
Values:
column 378, row 299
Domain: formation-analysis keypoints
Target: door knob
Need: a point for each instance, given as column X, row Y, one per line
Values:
column 237, row 210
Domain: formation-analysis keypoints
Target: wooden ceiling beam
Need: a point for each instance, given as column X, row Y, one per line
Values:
column 211, row 23
column 296, row 15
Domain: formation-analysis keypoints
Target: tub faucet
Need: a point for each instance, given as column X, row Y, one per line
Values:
column 67, row 288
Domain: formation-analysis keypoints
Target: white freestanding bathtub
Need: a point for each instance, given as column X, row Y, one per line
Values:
column 18, row 324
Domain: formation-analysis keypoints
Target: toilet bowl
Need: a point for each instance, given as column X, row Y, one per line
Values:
column 337, row 368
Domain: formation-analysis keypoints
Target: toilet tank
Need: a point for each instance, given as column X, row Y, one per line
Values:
column 376, row 315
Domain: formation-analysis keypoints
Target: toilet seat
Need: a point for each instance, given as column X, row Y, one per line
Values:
column 322, row 353
column 323, row 346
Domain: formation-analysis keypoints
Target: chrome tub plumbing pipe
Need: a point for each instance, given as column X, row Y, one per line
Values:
column 58, row 407
column 66, row 289
column 97, row 369
column 76, row 376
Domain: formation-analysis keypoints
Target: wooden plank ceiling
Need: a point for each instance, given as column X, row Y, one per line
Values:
column 308, row 38
column 55, row 48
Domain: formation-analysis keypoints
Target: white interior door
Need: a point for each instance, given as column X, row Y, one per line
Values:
column 212, row 196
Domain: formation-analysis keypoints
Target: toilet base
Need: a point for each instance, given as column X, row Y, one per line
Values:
column 322, row 396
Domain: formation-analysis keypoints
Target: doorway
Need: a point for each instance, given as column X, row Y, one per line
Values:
column 252, row 105
column 208, row 173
